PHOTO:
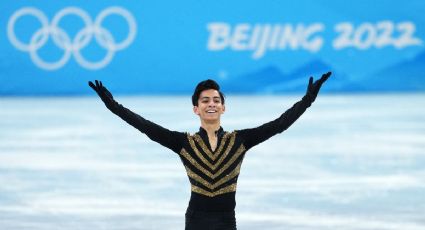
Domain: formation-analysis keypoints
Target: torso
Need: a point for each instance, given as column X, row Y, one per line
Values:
column 213, row 173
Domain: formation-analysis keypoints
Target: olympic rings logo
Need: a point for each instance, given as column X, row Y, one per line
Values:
column 72, row 46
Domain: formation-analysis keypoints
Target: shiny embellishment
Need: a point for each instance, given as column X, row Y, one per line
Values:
column 212, row 186
column 198, row 154
column 240, row 150
column 225, row 154
column 227, row 189
column 222, row 156
column 206, row 150
column 212, row 165
column 186, row 155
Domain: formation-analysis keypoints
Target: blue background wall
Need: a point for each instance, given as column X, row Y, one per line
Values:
column 172, row 50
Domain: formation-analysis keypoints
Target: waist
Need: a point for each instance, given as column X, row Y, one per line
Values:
column 201, row 213
column 210, row 220
column 221, row 203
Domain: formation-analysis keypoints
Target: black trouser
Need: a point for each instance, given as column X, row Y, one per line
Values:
column 199, row 220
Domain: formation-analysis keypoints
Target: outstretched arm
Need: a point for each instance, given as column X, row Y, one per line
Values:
column 157, row 133
column 261, row 133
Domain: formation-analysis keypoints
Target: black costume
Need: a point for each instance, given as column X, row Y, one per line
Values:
column 213, row 174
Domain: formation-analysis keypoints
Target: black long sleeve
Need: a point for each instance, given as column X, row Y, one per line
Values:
column 170, row 139
column 255, row 136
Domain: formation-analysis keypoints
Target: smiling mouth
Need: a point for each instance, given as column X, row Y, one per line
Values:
column 211, row 111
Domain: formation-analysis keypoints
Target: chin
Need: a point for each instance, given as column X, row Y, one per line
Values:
column 210, row 119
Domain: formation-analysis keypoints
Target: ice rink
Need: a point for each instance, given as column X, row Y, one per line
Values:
column 351, row 162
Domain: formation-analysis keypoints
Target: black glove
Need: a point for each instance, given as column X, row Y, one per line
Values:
column 313, row 88
column 103, row 93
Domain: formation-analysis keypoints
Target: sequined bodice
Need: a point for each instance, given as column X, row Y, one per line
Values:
column 213, row 173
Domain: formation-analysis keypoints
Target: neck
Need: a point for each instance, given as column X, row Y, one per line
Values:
column 210, row 127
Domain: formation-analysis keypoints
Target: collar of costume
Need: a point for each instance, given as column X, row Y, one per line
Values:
column 219, row 132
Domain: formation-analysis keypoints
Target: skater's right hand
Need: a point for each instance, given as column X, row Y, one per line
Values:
column 103, row 93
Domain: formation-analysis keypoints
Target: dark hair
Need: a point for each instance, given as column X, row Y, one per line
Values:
column 206, row 85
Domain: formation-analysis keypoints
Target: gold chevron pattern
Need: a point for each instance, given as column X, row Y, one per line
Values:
column 212, row 186
column 207, row 150
column 230, row 188
column 214, row 164
column 209, row 153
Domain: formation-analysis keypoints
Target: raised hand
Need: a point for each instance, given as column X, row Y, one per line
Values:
column 314, row 88
column 103, row 93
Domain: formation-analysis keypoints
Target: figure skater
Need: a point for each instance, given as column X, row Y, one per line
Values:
column 212, row 157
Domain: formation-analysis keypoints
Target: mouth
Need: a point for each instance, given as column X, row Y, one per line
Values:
column 211, row 111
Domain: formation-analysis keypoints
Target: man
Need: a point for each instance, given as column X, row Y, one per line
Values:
column 212, row 157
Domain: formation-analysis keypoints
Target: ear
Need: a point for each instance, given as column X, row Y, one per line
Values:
column 196, row 110
column 224, row 108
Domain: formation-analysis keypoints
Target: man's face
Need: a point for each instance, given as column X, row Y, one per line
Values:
column 210, row 106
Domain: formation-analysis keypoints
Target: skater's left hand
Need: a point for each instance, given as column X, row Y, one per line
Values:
column 313, row 88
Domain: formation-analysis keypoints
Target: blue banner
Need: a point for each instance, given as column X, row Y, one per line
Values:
column 166, row 47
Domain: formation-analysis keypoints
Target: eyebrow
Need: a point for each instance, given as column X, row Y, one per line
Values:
column 215, row 97
column 210, row 97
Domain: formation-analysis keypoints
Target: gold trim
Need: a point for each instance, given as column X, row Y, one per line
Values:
column 200, row 156
column 211, row 186
column 240, row 150
column 227, row 189
column 204, row 147
column 222, row 156
column 186, row 155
